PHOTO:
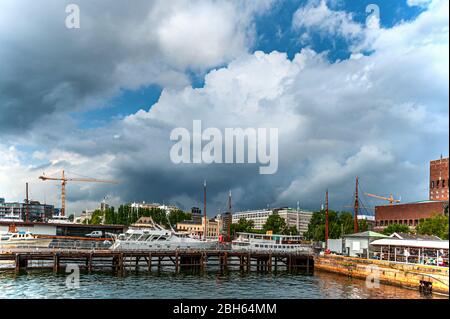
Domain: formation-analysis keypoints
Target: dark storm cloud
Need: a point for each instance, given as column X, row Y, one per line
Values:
column 47, row 68
column 335, row 120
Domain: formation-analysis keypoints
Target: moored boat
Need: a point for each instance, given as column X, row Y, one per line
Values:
column 155, row 237
column 22, row 239
column 269, row 243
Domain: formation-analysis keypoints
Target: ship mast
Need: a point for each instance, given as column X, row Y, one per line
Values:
column 326, row 220
column 356, row 207
column 204, row 209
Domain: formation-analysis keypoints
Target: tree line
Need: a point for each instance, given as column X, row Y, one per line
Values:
column 127, row 215
column 339, row 224
column 274, row 223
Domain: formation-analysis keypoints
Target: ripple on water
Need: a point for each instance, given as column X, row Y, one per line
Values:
column 45, row 284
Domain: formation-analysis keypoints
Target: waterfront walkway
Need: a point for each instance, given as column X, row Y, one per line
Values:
column 407, row 275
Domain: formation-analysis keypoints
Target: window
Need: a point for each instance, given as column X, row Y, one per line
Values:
column 443, row 183
column 437, row 184
column 432, row 184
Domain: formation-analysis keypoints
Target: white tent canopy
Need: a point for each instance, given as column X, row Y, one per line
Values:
column 432, row 244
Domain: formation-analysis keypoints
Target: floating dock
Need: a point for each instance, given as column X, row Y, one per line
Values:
column 121, row 261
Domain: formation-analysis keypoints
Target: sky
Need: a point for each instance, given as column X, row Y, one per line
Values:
column 355, row 88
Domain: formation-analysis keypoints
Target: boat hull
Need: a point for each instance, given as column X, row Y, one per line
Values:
column 33, row 243
column 153, row 246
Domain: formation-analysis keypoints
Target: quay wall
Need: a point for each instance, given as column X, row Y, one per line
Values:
column 391, row 273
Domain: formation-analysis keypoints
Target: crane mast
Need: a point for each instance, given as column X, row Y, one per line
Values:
column 64, row 180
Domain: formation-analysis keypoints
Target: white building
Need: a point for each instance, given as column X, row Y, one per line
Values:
column 259, row 217
column 85, row 215
column 294, row 218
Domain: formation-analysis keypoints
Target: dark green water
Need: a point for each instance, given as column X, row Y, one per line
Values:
column 45, row 284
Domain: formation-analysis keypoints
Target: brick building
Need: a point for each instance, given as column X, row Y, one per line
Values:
column 439, row 179
column 407, row 214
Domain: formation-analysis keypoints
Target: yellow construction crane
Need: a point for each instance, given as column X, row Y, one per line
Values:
column 390, row 199
column 65, row 179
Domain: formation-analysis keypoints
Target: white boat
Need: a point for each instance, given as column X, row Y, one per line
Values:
column 11, row 218
column 22, row 239
column 58, row 219
column 155, row 237
column 268, row 243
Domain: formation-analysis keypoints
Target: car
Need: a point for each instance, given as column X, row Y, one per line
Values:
column 95, row 234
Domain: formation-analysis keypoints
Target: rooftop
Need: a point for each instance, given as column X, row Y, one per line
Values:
column 412, row 203
column 434, row 244
column 367, row 234
column 414, row 236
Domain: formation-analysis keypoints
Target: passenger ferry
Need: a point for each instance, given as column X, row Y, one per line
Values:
column 58, row 219
column 268, row 243
column 155, row 237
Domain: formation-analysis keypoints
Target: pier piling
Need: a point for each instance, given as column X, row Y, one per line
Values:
column 184, row 259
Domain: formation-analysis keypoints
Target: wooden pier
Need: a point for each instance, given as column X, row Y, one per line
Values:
column 121, row 261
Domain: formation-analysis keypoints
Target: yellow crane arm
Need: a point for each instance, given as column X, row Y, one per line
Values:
column 92, row 180
column 390, row 199
column 64, row 179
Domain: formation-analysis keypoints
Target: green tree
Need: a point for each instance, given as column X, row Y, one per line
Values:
column 363, row 225
column 437, row 225
column 71, row 217
column 290, row 231
column 96, row 217
column 275, row 223
column 242, row 226
column 339, row 224
column 110, row 216
column 176, row 216
column 396, row 228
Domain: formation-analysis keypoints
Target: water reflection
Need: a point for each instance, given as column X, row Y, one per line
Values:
column 45, row 284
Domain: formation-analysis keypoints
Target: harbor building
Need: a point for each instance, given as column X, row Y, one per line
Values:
column 299, row 219
column 36, row 211
column 85, row 216
column 213, row 227
column 408, row 214
column 294, row 218
column 439, row 179
column 196, row 214
column 259, row 217
column 358, row 245
column 406, row 248
column 227, row 219
column 64, row 229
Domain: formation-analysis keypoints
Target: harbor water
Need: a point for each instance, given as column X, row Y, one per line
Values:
column 322, row 285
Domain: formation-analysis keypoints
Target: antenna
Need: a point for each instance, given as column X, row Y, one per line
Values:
column 326, row 220
column 204, row 209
